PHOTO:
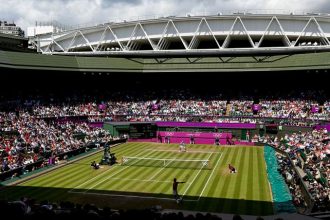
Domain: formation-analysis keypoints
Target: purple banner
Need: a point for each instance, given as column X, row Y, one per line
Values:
column 95, row 124
column 66, row 120
column 102, row 106
column 315, row 108
column 318, row 127
column 155, row 107
column 256, row 107
column 206, row 124
column 194, row 137
column 194, row 134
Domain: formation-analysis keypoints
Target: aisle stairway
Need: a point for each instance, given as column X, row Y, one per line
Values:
column 228, row 110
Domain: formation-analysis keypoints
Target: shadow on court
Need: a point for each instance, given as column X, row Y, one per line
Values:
column 131, row 200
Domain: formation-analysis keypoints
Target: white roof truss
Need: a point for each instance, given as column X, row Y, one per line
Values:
column 71, row 43
column 275, row 21
column 77, row 33
column 111, row 32
column 152, row 44
column 312, row 19
column 87, row 41
column 54, row 41
column 198, row 31
column 133, row 36
column 238, row 20
column 170, row 24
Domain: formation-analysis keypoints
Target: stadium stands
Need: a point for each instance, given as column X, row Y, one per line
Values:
column 182, row 110
column 25, row 139
column 45, row 114
column 309, row 152
column 32, row 133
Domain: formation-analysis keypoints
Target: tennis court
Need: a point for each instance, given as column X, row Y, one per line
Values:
column 144, row 175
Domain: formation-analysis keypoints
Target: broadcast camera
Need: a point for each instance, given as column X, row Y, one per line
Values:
column 108, row 158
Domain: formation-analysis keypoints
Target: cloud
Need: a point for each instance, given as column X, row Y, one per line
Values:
column 70, row 12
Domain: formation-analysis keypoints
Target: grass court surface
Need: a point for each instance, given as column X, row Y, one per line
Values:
column 143, row 183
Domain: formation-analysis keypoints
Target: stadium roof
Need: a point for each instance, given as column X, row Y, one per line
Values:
column 212, row 35
column 284, row 62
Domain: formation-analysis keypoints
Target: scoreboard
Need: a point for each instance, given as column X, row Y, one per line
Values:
column 142, row 130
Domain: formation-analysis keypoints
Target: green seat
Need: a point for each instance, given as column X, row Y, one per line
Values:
column 323, row 180
column 310, row 177
column 325, row 159
column 303, row 155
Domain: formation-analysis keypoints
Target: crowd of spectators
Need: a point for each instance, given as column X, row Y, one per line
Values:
column 25, row 139
column 309, row 153
column 136, row 108
column 26, row 208
column 241, row 108
column 188, row 110
column 67, row 110
column 182, row 105
column 297, row 109
column 326, row 107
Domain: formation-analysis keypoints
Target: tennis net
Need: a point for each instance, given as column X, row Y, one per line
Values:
column 166, row 162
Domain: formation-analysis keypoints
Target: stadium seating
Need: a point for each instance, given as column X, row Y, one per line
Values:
column 41, row 129
column 24, row 139
column 313, row 147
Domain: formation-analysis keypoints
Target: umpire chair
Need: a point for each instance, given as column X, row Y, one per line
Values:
column 108, row 157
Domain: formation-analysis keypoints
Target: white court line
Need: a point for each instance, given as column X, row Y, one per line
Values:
column 95, row 177
column 131, row 196
column 194, row 178
column 209, row 178
column 90, row 180
column 98, row 183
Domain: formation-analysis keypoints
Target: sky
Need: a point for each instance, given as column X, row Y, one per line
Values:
column 25, row 13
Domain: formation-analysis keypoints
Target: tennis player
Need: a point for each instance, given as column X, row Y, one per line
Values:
column 175, row 191
column 182, row 147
